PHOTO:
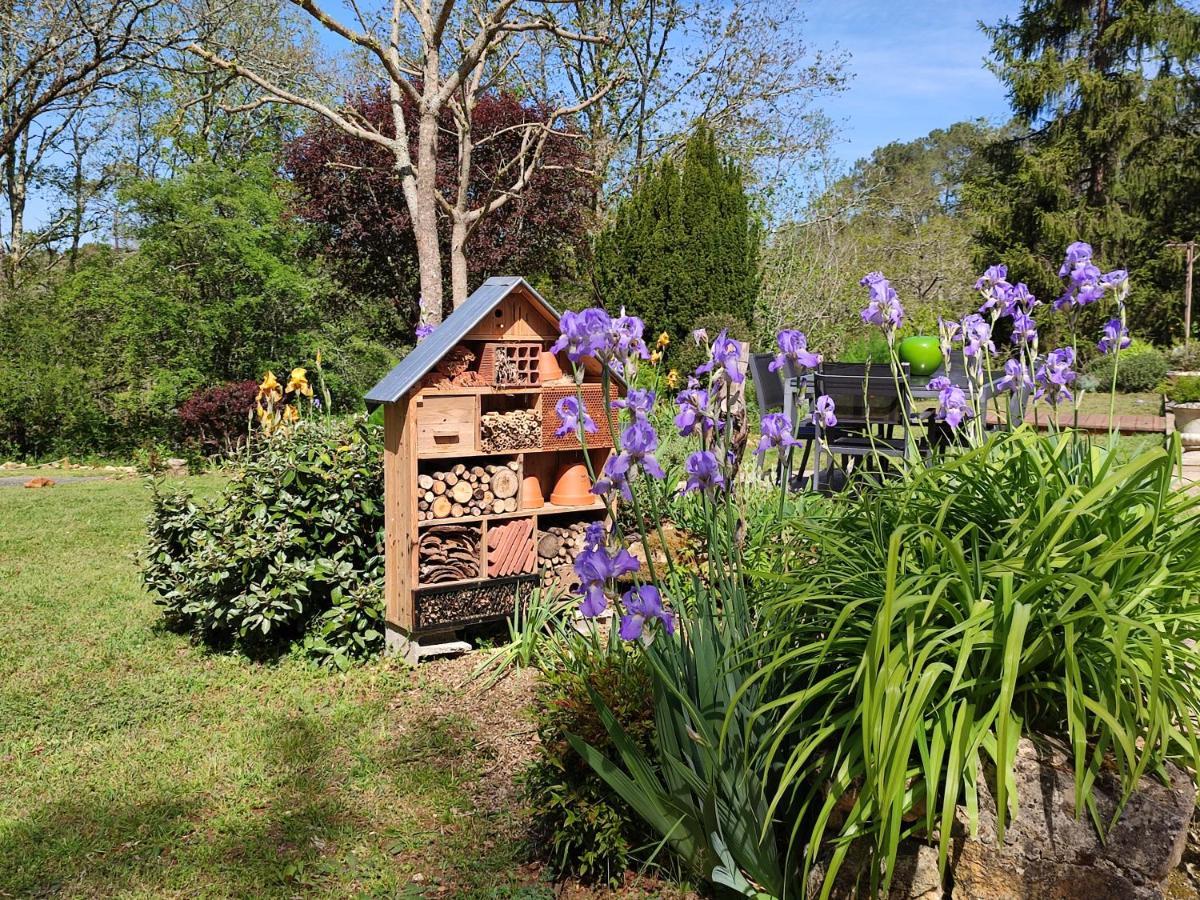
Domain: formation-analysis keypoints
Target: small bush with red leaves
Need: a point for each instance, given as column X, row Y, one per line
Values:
column 215, row 419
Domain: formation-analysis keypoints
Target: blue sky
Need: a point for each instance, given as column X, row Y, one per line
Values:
column 916, row 66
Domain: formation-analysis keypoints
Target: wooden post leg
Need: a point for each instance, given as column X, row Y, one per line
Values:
column 397, row 643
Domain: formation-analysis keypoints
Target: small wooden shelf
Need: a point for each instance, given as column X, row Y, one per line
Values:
column 548, row 509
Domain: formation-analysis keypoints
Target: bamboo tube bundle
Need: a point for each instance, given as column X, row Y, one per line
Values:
column 519, row 429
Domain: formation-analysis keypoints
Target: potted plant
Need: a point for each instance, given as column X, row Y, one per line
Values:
column 1183, row 400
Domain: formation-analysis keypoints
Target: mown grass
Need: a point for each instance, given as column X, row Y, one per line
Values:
column 135, row 764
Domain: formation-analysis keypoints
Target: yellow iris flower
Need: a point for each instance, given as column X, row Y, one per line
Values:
column 298, row 382
column 663, row 340
column 290, row 414
column 673, row 378
column 655, row 357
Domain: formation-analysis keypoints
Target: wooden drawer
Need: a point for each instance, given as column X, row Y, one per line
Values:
column 446, row 425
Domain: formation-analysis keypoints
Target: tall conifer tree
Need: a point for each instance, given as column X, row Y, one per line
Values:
column 684, row 244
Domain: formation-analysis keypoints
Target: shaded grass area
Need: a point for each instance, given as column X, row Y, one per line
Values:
column 135, row 764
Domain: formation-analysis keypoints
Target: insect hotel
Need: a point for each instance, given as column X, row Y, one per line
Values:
column 482, row 500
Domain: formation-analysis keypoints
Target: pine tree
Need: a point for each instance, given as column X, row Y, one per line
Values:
column 1109, row 150
column 684, row 245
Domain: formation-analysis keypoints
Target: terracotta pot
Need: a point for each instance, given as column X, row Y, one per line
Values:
column 531, row 493
column 548, row 367
column 572, row 487
column 1187, row 422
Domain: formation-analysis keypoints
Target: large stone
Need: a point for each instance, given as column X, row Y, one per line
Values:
column 1049, row 852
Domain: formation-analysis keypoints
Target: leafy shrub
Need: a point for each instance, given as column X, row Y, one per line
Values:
column 1184, row 389
column 1031, row 585
column 586, row 828
column 1186, row 357
column 216, row 419
column 290, row 554
column 870, row 348
column 1141, row 368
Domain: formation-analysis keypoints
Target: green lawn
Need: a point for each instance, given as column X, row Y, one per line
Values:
column 135, row 764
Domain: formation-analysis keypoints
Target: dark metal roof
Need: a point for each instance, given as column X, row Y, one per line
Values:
column 425, row 355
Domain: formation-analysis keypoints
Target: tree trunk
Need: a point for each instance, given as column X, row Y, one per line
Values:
column 15, row 189
column 424, row 218
column 458, row 262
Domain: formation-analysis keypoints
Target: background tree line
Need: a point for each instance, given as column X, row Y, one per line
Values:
column 224, row 187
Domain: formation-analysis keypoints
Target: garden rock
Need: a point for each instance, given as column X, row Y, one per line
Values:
column 1048, row 852
column 177, row 466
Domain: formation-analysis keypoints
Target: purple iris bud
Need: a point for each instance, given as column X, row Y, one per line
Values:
column 1015, row 377
column 1114, row 337
column 639, row 402
column 700, row 336
column 793, row 352
column 976, row 335
column 724, row 357
column 693, row 410
column 1077, row 253
column 948, row 333
column 642, row 605
column 824, row 412
column 776, row 433
column 1024, row 329
column 569, row 414
column 1054, row 375
column 639, row 440
column 703, row 472
column 423, row 331
column 883, row 305
column 595, row 535
column 1115, row 277
column 953, row 405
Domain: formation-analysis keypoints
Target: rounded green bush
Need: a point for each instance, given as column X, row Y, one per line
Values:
column 1139, row 368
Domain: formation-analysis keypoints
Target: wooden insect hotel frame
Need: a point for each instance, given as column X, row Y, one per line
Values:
column 483, row 501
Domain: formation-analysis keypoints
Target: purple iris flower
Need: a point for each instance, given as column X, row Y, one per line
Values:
column 1024, row 330
column 1054, row 375
column 1015, row 377
column 953, row 405
column 700, row 336
column 1077, row 253
column 569, row 414
column 703, row 472
column 976, row 335
column 824, row 412
column 725, row 355
column 595, row 568
column 994, row 286
column 693, row 410
column 883, row 306
column 639, row 402
column 776, row 433
column 1115, row 337
column 1115, row 277
column 582, row 333
column 642, row 605
column 423, row 331
column 625, row 339
column 793, row 352
column 639, row 440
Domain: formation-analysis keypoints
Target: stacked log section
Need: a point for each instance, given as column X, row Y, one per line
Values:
column 448, row 553
column 464, row 490
column 511, row 549
column 520, row 429
column 557, row 547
